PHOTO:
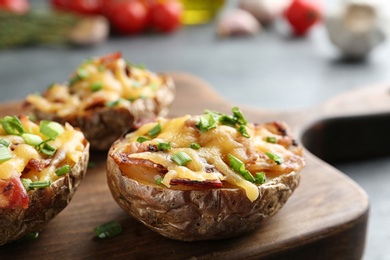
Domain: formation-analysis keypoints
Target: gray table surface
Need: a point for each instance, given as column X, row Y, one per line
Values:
column 271, row 70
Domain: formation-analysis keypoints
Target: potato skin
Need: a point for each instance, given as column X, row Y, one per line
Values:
column 103, row 125
column 44, row 204
column 191, row 215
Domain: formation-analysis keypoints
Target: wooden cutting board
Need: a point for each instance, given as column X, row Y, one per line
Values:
column 326, row 217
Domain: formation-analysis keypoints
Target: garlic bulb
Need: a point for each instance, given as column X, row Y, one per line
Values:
column 356, row 30
column 264, row 10
column 237, row 22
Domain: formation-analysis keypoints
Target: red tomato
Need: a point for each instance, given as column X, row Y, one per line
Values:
column 165, row 16
column 86, row 6
column 302, row 15
column 15, row 6
column 128, row 17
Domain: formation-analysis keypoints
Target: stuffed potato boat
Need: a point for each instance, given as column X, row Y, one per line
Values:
column 41, row 166
column 204, row 177
column 103, row 97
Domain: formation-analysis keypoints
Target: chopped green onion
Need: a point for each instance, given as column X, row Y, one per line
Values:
column 107, row 230
column 32, row 139
column 101, row 68
column 238, row 116
column 227, row 120
column 82, row 73
column 96, row 86
column 238, row 166
column 5, row 153
column 155, row 130
column 12, row 125
column 91, row 165
column 158, row 181
column 5, row 142
column 164, row 146
column 206, row 123
column 112, row 103
column 63, row 170
column 260, row 178
column 242, row 130
column 45, row 148
column 26, row 183
column 51, row 129
column 271, row 139
column 142, row 139
column 195, row 146
column 275, row 157
column 181, row 158
column 39, row 184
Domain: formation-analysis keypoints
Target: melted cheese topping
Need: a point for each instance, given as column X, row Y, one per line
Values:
column 97, row 83
column 69, row 148
column 216, row 144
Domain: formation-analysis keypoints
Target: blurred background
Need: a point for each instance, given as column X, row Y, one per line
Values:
column 260, row 55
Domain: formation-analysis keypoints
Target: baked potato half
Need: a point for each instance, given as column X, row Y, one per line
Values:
column 204, row 177
column 41, row 166
column 103, row 97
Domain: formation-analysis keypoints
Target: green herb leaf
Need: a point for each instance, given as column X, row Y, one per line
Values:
column 63, row 170
column 275, row 157
column 51, row 129
column 271, row 139
column 155, row 130
column 181, row 158
column 12, row 125
column 142, row 139
column 260, row 178
column 96, row 86
column 206, row 122
column 32, row 139
column 5, row 153
column 108, row 230
column 195, row 146
column 162, row 146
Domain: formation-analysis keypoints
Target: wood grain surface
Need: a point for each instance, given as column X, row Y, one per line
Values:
column 326, row 217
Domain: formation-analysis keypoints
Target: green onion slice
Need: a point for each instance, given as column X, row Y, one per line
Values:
column 63, row 170
column 195, row 146
column 242, row 130
column 51, row 129
column 155, row 130
column 32, row 139
column 45, row 148
column 206, row 122
column 238, row 166
column 142, row 139
column 275, row 157
column 271, row 139
column 181, row 158
column 162, row 146
column 39, row 184
column 96, row 86
column 107, row 230
column 260, row 178
column 4, row 142
column 5, row 153
column 238, row 116
column 12, row 125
